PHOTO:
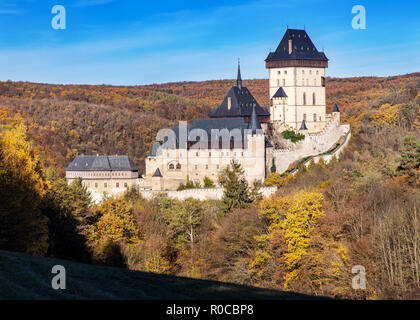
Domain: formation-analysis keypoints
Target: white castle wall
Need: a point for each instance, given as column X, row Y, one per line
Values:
column 312, row 145
column 201, row 194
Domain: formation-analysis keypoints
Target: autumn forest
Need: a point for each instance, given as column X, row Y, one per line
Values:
column 359, row 210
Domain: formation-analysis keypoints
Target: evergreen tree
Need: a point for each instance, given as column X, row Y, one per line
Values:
column 273, row 168
column 236, row 190
column 410, row 159
column 67, row 208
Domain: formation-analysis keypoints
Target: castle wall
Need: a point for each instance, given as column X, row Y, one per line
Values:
column 313, row 144
column 201, row 194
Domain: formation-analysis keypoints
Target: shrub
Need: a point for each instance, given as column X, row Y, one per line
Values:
column 292, row 136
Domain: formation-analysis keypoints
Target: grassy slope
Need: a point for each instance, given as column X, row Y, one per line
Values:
column 26, row 277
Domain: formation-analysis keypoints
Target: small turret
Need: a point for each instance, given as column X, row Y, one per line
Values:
column 157, row 173
column 254, row 123
column 303, row 126
column 157, row 180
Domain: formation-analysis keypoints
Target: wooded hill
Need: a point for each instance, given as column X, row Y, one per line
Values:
column 66, row 120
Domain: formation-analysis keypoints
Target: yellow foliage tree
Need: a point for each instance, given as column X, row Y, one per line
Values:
column 23, row 188
column 295, row 216
column 116, row 223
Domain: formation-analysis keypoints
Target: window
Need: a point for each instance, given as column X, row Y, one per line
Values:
column 171, row 166
column 284, row 82
column 314, row 82
column 317, row 72
column 310, row 71
column 279, row 72
column 196, row 154
column 313, row 98
column 304, row 99
column 125, row 185
column 117, row 184
column 323, row 81
column 207, row 166
column 96, row 185
column 178, row 166
column 105, row 185
column 304, row 117
column 303, row 71
column 278, row 83
column 285, row 71
column 217, row 166
column 195, row 167
column 314, row 117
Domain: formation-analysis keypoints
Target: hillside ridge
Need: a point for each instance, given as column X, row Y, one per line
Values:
column 29, row 277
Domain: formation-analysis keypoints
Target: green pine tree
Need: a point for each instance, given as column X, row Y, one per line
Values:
column 236, row 189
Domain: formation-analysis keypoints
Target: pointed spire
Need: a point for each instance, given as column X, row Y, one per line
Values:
column 335, row 109
column 157, row 173
column 239, row 79
column 303, row 125
column 254, row 124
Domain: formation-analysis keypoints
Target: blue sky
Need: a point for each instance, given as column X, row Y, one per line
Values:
column 141, row 42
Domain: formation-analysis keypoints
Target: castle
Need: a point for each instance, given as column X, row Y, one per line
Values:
column 242, row 130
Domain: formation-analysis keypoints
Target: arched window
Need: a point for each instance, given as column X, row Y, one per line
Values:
column 314, row 117
column 284, row 82
column 171, row 166
column 313, row 99
column 304, row 99
column 178, row 166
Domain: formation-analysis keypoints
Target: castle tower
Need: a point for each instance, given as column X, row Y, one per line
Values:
column 297, row 83
column 255, row 160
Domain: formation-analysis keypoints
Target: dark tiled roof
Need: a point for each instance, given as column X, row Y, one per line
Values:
column 335, row 109
column 102, row 163
column 302, row 48
column 303, row 126
column 280, row 93
column 241, row 104
column 229, row 124
column 207, row 125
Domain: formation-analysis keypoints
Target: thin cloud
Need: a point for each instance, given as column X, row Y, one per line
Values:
column 10, row 11
column 91, row 3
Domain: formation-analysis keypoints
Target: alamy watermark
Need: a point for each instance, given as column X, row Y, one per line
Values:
column 59, row 20
column 359, row 280
column 59, row 280
column 359, row 20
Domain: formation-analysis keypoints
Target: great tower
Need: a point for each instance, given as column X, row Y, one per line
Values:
column 297, row 83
